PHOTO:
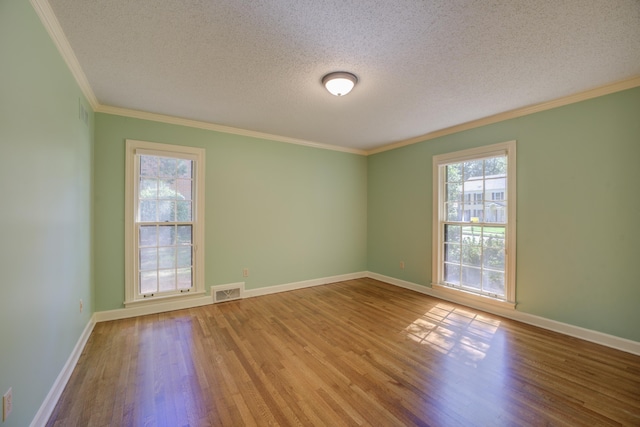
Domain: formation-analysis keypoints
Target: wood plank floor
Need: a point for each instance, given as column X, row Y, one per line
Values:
column 360, row 352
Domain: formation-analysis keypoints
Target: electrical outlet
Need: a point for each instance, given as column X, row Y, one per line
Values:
column 245, row 272
column 402, row 265
column 81, row 305
column 7, row 404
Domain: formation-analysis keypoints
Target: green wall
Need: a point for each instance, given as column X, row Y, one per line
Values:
column 286, row 212
column 578, row 172
column 45, row 219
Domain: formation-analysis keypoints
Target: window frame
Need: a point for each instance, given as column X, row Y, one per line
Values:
column 134, row 148
column 439, row 197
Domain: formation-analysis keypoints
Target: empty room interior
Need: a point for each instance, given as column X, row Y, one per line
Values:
column 209, row 229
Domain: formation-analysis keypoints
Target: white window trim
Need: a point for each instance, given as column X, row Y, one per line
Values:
column 131, row 185
column 505, row 148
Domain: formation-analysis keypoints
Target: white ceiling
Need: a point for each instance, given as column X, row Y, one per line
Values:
column 423, row 65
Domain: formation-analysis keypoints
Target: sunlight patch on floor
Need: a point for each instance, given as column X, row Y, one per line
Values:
column 459, row 333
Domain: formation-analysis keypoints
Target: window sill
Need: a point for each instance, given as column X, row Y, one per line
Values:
column 469, row 298
column 163, row 299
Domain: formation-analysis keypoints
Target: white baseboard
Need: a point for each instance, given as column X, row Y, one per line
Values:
column 125, row 313
column 49, row 403
column 301, row 285
column 179, row 304
column 601, row 338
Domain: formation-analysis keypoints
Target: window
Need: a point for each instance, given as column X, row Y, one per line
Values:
column 474, row 237
column 164, row 221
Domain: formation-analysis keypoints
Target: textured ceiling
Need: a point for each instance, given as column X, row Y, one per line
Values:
column 423, row 65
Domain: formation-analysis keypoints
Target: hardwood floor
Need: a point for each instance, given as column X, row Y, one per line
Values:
column 360, row 352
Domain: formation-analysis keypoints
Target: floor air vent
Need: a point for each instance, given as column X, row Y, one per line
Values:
column 227, row 292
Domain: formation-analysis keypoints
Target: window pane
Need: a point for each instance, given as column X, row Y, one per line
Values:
column 472, row 235
column 167, row 167
column 148, row 210
column 184, row 189
column 452, row 233
column 495, row 212
column 183, row 211
column 148, row 166
column 148, row 188
column 472, row 169
column 495, row 205
column 454, row 173
column 496, row 232
column 473, row 194
column 454, row 192
column 147, row 235
column 167, row 280
column 185, row 280
column 471, row 277
column 184, row 256
column 453, row 211
column 472, row 255
column 495, row 185
column 167, row 189
column 184, row 168
column 452, row 273
column 494, row 247
column 184, row 234
column 495, row 166
column 166, row 210
column 493, row 282
column 148, row 282
column 167, row 257
column 452, row 252
column 472, row 246
column 167, row 235
column 148, row 259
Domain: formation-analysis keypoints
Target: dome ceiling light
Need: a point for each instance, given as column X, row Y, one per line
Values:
column 339, row 83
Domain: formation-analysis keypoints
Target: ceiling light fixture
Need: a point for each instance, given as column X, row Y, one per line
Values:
column 339, row 83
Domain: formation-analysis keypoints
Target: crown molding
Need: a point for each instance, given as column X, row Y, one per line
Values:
column 519, row 112
column 52, row 25
column 136, row 114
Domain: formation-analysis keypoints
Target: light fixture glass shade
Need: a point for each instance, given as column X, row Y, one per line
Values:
column 339, row 83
